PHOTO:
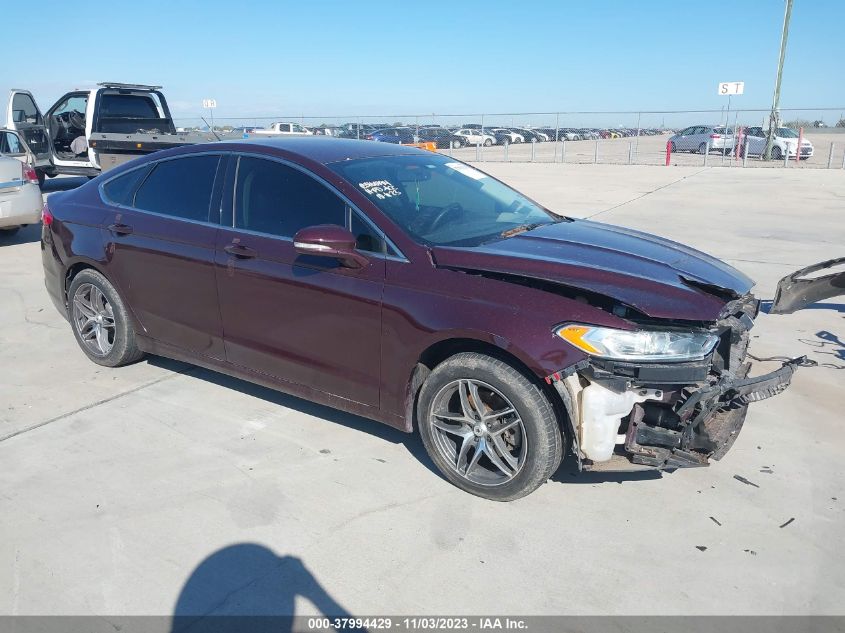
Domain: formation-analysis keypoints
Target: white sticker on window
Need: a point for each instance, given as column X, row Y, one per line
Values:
column 381, row 189
column 466, row 170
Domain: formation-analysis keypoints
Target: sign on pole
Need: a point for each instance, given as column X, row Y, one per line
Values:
column 209, row 103
column 727, row 88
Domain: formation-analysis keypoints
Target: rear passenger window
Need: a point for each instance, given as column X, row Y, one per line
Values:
column 280, row 200
column 180, row 187
column 121, row 189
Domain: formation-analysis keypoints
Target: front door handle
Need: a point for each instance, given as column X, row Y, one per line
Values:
column 240, row 251
column 120, row 229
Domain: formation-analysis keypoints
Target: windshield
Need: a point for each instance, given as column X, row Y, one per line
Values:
column 439, row 201
column 786, row 132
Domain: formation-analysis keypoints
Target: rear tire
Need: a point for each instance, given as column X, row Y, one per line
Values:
column 487, row 142
column 776, row 153
column 501, row 450
column 100, row 321
column 702, row 148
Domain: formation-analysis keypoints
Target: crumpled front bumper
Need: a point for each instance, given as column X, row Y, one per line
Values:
column 668, row 426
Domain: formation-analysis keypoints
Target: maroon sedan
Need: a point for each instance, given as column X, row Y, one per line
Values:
column 413, row 289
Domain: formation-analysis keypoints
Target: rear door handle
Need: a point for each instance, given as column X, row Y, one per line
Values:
column 120, row 229
column 238, row 250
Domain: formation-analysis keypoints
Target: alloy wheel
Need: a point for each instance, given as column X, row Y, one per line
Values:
column 478, row 432
column 93, row 318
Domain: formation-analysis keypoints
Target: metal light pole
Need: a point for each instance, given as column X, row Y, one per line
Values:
column 773, row 116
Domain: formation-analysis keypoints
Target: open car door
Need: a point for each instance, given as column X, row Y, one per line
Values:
column 24, row 116
column 802, row 287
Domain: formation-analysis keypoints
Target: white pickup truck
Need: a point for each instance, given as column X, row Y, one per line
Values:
column 91, row 130
column 283, row 129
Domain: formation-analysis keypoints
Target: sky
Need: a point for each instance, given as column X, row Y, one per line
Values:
column 348, row 58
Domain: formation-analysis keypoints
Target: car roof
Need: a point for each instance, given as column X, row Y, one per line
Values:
column 323, row 149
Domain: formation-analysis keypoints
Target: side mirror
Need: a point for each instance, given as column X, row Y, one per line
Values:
column 329, row 240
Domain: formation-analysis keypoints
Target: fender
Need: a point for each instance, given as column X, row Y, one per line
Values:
column 444, row 310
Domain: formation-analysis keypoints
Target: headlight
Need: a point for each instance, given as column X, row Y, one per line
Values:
column 639, row 345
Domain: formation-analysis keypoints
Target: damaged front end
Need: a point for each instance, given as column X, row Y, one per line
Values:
column 631, row 415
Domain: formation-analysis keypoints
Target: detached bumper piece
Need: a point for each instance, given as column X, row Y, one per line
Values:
column 798, row 290
column 705, row 424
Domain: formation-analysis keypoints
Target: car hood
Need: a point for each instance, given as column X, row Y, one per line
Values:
column 655, row 276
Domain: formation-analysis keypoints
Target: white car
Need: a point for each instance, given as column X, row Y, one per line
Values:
column 785, row 143
column 514, row 136
column 283, row 129
column 33, row 150
column 20, row 197
column 477, row 137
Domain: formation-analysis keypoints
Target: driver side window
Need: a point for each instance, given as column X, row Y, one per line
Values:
column 73, row 103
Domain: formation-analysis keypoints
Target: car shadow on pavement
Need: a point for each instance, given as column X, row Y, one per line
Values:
column 411, row 441
column 247, row 587
column 568, row 474
column 25, row 235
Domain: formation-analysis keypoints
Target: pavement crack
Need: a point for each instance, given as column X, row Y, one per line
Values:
column 647, row 193
column 181, row 372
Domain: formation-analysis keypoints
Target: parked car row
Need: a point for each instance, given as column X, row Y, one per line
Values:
column 473, row 134
column 751, row 140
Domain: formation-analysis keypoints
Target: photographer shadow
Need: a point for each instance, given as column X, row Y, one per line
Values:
column 247, row 587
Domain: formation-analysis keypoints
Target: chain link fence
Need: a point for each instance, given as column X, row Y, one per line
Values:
column 805, row 137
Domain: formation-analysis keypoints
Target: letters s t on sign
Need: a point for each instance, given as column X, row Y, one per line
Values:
column 209, row 103
column 731, row 88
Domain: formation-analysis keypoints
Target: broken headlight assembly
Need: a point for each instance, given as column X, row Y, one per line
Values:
column 639, row 345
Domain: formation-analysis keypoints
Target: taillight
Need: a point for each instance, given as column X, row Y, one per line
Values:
column 368, row 137
column 29, row 174
column 715, row 136
column 46, row 216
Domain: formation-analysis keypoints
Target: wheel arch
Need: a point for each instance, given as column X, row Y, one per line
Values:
column 72, row 270
column 443, row 349
column 80, row 264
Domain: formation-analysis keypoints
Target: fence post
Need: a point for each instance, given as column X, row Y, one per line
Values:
column 596, row 153
column 668, row 153
column 630, row 152
column 563, row 151
column 533, row 148
column 557, row 129
column 506, row 150
column 745, row 153
column 481, row 151
column 786, row 158
column 477, row 152
column 830, row 156
column 798, row 148
column 707, row 152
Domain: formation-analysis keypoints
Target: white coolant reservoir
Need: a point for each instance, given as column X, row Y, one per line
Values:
column 602, row 411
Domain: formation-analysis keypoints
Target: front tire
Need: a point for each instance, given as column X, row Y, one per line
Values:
column 489, row 429
column 776, row 153
column 100, row 321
